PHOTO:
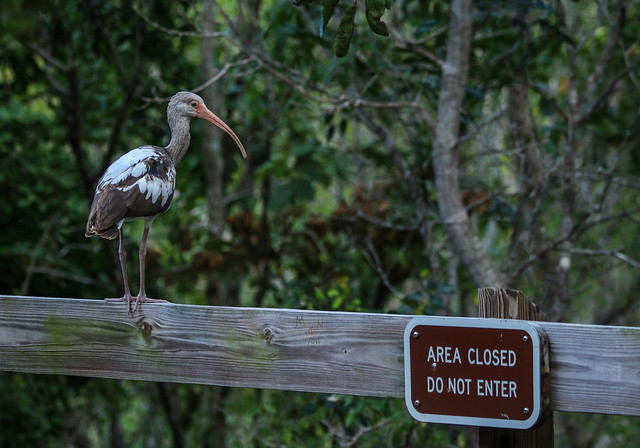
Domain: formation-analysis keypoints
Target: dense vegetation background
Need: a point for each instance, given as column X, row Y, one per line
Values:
column 492, row 143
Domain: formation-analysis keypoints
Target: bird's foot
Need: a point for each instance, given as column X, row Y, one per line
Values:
column 138, row 300
column 144, row 299
column 125, row 298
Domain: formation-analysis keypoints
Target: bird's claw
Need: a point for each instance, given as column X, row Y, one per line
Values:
column 138, row 300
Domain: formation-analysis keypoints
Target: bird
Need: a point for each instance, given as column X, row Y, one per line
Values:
column 140, row 185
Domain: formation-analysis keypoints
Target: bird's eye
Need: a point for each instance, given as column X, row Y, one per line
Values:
column 194, row 103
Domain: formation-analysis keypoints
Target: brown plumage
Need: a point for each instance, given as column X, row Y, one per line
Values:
column 140, row 184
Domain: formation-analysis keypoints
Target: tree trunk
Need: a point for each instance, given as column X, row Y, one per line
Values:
column 213, row 159
column 527, row 233
column 462, row 235
column 217, row 291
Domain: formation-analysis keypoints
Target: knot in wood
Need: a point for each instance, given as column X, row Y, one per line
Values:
column 145, row 327
column 268, row 335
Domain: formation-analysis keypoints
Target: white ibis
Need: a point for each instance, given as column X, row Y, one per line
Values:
column 141, row 183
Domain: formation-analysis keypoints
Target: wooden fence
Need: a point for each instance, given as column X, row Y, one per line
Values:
column 593, row 368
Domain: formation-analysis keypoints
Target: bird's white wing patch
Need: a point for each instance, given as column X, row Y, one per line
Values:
column 132, row 170
column 128, row 165
column 155, row 188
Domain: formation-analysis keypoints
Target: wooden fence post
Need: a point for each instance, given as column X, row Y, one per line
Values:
column 511, row 304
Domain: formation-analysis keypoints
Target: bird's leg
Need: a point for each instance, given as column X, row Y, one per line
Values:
column 123, row 265
column 142, row 295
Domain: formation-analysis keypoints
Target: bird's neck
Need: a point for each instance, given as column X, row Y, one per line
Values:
column 180, row 138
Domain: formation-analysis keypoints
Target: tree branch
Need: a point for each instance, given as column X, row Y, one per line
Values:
column 605, row 55
column 608, row 90
column 175, row 32
column 608, row 253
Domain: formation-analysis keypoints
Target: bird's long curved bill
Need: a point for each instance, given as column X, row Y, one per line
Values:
column 206, row 114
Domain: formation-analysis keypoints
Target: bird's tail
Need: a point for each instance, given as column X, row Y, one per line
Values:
column 110, row 233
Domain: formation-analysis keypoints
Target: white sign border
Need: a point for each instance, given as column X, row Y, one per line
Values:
column 473, row 322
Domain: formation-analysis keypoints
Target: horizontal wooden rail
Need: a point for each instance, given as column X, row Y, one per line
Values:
column 593, row 368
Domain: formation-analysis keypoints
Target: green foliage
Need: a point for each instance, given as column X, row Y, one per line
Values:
column 374, row 9
column 345, row 31
column 320, row 420
column 328, row 7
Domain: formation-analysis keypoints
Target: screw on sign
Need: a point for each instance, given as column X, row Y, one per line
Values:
column 483, row 372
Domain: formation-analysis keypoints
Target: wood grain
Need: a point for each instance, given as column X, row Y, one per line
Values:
column 593, row 368
column 259, row 348
column 511, row 304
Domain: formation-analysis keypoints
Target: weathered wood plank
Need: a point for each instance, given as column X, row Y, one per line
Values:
column 260, row 348
column 593, row 368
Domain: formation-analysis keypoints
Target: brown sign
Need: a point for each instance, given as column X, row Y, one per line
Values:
column 483, row 372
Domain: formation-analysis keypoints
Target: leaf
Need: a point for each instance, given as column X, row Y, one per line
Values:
column 375, row 10
column 378, row 27
column 349, row 420
column 328, row 7
column 303, row 149
column 297, row 189
column 302, row 190
column 345, row 32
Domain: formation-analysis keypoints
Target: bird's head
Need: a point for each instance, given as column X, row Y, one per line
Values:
column 191, row 105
